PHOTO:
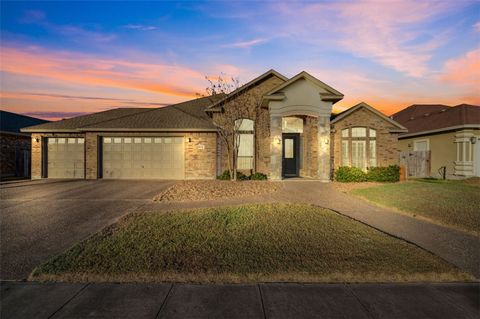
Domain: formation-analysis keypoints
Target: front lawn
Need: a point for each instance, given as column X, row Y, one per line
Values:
column 451, row 203
column 276, row 242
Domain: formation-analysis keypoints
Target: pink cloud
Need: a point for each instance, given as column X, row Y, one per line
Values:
column 87, row 70
column 464, row 70
column 245, row 44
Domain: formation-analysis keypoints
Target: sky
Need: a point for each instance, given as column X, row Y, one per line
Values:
column 64, row 59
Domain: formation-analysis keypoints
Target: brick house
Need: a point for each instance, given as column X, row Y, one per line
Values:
column 291, row 135
column 15, row 146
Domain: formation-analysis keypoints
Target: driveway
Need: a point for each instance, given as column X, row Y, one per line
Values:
column 40, row 219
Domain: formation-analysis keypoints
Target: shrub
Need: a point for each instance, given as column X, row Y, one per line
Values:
column 347, row 174
column 258, row 176
column 225, row 176
column 384, row 174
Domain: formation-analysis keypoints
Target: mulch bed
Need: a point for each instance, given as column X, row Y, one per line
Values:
column 215, row 189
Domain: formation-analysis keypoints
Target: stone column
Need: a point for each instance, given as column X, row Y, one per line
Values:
column 36, row 157
column 91, row 155
column 275, row 147
column 324, row 148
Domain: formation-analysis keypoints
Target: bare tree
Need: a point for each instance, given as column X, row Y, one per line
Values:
column 241, row 103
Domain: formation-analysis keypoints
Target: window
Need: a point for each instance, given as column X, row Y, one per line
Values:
column 421, row 145
column 246, row 146
column 358, row 148
column 292, row 125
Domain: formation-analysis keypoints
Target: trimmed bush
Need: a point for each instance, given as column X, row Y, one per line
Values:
column 225, row 176
column 258, row 176
column 384, row 174
column 346, row 174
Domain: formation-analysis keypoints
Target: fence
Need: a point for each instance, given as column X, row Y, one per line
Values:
column 416, row 163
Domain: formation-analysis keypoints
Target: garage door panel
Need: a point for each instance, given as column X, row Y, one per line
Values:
column 65, row 158
column 144, row 157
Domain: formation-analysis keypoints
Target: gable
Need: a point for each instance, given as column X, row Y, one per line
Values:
column 363, row 114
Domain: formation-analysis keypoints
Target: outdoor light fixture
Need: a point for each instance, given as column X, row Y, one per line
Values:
column 277, row 140
column 189, row 139
column 473, row 139
column 36, row 139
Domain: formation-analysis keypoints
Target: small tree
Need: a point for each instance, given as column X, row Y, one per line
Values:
column 242, row 103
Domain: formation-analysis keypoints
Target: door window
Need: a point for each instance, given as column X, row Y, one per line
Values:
column 288, row 148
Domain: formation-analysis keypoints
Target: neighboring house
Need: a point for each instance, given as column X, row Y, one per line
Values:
column 292, row 135
column 451, row 134
column 15, row 146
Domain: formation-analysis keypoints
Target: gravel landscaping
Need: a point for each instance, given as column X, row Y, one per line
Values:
column 215, row 189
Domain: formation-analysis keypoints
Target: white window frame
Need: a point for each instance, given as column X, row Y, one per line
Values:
column 247, row 127
column 419, row 141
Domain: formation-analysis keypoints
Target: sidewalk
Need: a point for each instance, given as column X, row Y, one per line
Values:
column 277, row 300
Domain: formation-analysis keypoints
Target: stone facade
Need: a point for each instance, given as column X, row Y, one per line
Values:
column 200, row 155
column 309, row 147
column 15, row 150
column 386, row 142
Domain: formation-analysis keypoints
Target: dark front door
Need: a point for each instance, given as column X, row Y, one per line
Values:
column 290, row 154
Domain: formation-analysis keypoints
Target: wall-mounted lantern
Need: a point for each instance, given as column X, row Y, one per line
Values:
column 277, row 140
column 473, row 139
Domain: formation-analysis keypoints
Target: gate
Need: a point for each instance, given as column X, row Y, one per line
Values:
column 416, row 163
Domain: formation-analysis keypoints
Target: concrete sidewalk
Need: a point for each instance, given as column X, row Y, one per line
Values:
column 130, row 300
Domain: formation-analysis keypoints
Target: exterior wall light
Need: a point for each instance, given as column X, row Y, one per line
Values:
column 36, row 139
column 189, row 139
column 277, row 140
column 473, row 139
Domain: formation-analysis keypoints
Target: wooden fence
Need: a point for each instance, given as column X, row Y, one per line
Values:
column 416, row 163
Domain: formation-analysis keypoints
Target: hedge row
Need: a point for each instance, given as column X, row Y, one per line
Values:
column 225, row 176
column 347, row 174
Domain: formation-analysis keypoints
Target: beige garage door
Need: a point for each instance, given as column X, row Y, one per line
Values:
column 143, row 157
column 65, row 157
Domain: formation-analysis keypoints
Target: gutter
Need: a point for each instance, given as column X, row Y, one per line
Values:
column 440, row 130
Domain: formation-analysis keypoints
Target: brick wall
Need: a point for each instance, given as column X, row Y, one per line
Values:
column 200, row 161
column 387, row 143
column 262, row 130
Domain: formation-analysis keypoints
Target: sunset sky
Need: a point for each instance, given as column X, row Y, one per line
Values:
column 62, row 59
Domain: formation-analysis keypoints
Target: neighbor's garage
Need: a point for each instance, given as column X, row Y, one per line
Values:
column 65, row 157
column 160, row 157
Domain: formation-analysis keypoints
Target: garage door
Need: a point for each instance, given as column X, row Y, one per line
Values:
column 65, row 157
column 143, row 157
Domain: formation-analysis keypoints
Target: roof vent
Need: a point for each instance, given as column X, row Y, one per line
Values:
column 426, row 114
column 443, row 110
column 412, row 118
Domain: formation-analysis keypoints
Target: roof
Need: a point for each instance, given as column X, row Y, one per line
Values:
column 432, row 118
column 76, row 123
column 332, row 95
column 189, row 115
column 13, row 122
column 259, row 79
column 344, row 114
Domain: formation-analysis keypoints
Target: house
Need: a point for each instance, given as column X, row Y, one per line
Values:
column 290, row 135
column 450, row 134
column 15, row 146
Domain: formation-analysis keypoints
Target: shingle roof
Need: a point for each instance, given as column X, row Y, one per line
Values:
column 76, row 123
column 420, row 118
column 13, row 122
column 187, row 115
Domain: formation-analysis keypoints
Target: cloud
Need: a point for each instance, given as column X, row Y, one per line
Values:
column 391, row 33
column 245, row 44
column 476, row 26
column 464, row 70
column 172, row 80
column 140, row 27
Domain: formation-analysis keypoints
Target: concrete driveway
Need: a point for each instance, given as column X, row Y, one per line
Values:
column 40, row 219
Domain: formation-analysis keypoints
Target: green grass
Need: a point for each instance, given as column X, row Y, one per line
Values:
column 451, row 203
column 277, row 242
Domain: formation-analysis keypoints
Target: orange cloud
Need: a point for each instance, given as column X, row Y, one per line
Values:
column 115, row 73
column 464, row 70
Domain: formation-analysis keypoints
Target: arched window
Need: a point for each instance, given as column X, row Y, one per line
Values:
column 359, row 147
column 246, row 143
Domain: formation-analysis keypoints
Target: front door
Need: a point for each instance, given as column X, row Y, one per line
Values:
column 290, row 154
